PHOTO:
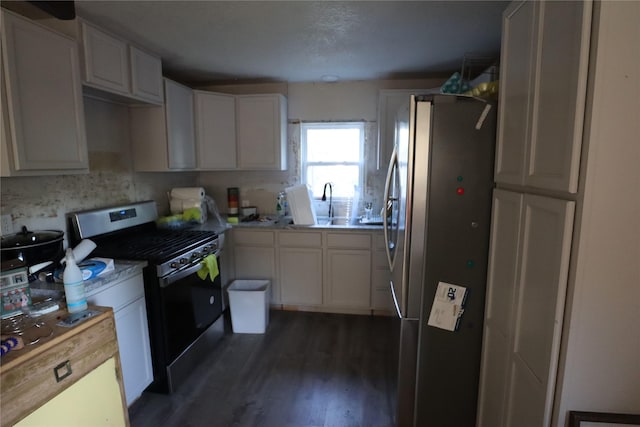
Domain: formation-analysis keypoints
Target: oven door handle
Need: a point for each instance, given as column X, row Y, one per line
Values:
column 179, row 275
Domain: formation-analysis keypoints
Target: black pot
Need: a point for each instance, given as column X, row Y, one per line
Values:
column 33, row 247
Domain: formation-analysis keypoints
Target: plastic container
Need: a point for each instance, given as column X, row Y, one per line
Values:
column 73, row 285
column 249, row 305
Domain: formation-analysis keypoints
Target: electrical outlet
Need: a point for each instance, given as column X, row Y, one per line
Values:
column 7, row 225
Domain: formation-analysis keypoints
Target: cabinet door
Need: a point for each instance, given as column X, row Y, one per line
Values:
column 215, row 118
column 380, row 292
column 547, row 226
column 349, row 278
column 261, row 131
column 516, row 83
column 254, row 262
column 559, row 100
column 135, row 353
column 127, row 300
column 93, row 400
column 180, row 133
column 106, row 60
column 146, row 75
column 44, row 98
column 498, row 329
column 301, row 276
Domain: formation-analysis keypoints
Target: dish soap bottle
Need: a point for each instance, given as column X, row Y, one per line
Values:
column 73, row 285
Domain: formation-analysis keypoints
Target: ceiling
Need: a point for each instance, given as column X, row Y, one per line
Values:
column 305, row 41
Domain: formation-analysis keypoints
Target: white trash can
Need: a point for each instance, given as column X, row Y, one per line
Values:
column 249, row 305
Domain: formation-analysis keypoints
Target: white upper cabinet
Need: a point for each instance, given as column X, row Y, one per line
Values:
column 215, row 119
column 43, row 111
column 146, row 75
column 163, row 137
column 516, row 64
column 544, row 67
column 113, row 65
column 106, row 60
column 261, row 130
column 180, row 134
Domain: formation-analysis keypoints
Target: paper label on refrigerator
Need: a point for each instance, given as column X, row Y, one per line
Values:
column 448, row 306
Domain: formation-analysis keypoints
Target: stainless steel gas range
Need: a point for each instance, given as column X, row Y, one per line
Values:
column 183, row 310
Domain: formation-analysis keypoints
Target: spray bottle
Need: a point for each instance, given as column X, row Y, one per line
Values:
column 73, row 285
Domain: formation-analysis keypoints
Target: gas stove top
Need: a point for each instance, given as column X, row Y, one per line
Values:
column 129, row 232
column 155, row 246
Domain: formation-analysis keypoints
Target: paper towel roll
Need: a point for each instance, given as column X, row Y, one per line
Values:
column 187, row 193
column 175, row 205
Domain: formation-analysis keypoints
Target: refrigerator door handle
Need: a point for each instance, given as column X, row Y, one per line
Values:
column 395, row 299
column 388, row 204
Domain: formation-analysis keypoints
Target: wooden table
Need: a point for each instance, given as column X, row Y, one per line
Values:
column 38, row 376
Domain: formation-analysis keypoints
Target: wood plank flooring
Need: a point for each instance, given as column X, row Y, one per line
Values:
column 307, row 370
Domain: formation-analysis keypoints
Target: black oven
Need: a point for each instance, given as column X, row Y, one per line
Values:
column 184, row 312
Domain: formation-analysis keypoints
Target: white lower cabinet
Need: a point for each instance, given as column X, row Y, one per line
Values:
column 319, row 270
column 127, row 300
column 380, row 276
column 300, row 259
column 348, row 278
column 254, row 258
column 301, row 276
column 526, row 289
column 348, row 270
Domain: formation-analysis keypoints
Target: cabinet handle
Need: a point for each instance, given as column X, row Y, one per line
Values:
column 60, row 376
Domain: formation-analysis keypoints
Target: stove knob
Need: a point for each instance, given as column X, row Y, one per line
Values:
column 195, row 255
column 183, row 260
column 174, row 265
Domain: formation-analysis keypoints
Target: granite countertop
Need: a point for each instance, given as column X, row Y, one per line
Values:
column 271, row 222
column 122, row 271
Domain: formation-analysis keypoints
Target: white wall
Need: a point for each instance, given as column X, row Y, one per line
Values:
column 600, row 369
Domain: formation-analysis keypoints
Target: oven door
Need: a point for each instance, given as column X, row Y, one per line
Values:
column 189, row 305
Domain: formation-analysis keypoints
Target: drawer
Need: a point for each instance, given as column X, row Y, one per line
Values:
column 300, row 239
column 253, row 237
column 118, row 295
column 349, row 240
column 28, row 385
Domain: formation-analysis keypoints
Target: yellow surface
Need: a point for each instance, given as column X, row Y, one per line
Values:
column 209, row 268
column 93, row 401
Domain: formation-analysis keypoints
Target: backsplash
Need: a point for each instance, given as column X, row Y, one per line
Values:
column 41, row 203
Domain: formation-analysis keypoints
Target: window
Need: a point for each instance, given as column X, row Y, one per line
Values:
column 333, row 152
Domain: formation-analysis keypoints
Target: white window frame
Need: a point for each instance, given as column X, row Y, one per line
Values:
column 331, row 125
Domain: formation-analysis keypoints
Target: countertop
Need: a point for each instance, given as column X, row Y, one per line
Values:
column 122, row 271
column 269, row 222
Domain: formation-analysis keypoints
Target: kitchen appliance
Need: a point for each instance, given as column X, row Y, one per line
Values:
column 38, row 250
column 183, row 310
column 437, row 221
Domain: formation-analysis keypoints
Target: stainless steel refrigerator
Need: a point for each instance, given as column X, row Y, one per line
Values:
column 437, row 222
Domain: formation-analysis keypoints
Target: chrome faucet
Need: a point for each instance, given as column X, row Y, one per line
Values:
column 324, row 197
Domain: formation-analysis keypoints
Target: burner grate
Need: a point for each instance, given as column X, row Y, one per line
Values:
column 154, row 246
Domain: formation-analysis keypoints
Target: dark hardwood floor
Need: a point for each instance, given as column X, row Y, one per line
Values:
column 307, row 370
